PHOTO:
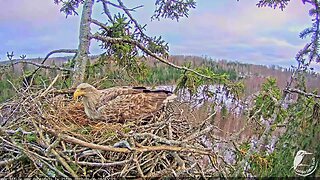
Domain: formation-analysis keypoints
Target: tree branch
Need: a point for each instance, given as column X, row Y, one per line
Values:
column 145, row 50
column 49, row 54
column 43, row 66
column 106, row 10
column 298, row 91
column 126, row 10
column 96, row 22
column 59, row 51
column 121, row 7
column 54, row 52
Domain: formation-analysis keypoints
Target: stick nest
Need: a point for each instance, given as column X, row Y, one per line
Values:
column 48, row 135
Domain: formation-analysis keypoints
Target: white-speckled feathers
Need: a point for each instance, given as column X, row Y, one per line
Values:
column 119, row 104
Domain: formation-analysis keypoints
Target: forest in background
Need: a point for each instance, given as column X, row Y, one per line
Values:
column 253, row 76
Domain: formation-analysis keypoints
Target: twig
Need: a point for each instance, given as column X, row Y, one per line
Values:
column 94, row 164
column 201, row 172
column 202, row 132
column 13, row 172
column 136, row 161
column 197, row 134
column 16, row 131
column 41, row 65
column 50, row 86
column 157, row 138
column 9, row 161
column 106, row 10
column 53, row 145
column 29, row 153
column 170, row 131
column 236, row 135
column 54, row 152
column 65, row 91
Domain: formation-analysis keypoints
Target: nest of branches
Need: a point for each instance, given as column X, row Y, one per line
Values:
column 44, row 134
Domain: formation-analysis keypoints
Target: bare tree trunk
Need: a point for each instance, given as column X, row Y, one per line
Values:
column 84, row 43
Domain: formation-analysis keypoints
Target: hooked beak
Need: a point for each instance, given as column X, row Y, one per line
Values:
column 78, row 93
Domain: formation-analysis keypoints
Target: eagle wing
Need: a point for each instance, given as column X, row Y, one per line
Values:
column 112, row 93
column 132, row 104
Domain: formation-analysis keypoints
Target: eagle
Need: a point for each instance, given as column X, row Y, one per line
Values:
column 121, row 104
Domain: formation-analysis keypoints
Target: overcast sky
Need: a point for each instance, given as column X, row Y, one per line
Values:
column 221, row 29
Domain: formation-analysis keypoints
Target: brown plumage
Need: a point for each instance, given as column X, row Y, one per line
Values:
column 119, row 104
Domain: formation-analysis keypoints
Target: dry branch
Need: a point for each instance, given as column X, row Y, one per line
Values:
column 9, row 161
column 72, row 51
column 50, row 86
column 41, row 65
column 95, row 164
column 298, row 91
column 141, row 149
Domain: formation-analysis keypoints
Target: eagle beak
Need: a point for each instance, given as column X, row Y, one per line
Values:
column 77, row 93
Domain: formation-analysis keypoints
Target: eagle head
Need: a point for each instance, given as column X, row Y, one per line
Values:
column 85, row 90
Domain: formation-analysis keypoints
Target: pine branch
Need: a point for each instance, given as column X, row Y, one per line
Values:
column 126, row 10
column 147, row 51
